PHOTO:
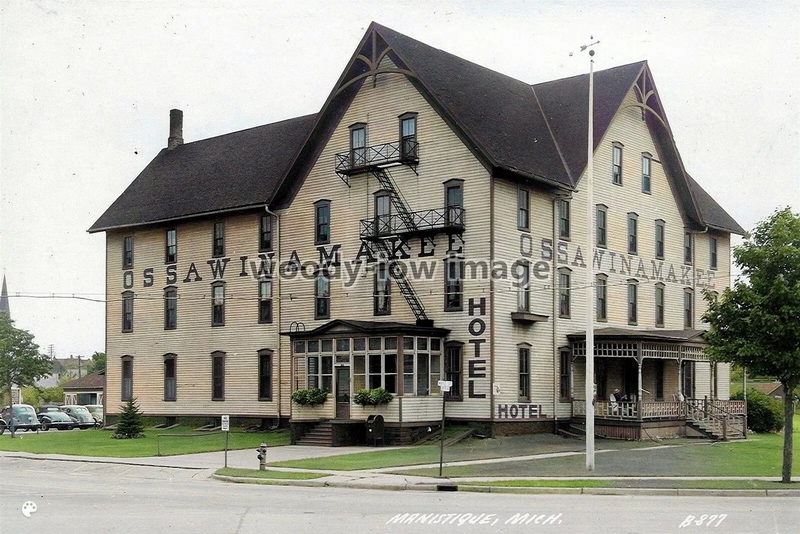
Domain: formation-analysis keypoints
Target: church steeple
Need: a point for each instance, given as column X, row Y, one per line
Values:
column 4, row 308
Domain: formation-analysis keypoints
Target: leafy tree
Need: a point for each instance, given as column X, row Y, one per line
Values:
column 36, row 396
column 129, row 422
column 755, row 323
column 764, row 413
column 98, row 363
column 21, row 363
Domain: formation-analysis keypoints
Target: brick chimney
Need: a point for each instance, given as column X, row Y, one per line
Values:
column 175, row 129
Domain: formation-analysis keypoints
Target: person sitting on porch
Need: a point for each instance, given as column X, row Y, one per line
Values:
column 614, row 398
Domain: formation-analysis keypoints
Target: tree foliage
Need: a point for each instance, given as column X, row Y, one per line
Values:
column 21, row 363
column 755, row 323
column 98, row 363
column 129, row 422
column 37, row 396
column 764, row 413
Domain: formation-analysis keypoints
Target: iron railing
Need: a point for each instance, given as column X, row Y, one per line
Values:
column 446, row 219
column 362, row 159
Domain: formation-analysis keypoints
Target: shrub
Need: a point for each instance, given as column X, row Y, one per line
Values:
column 129, row 422
column 764, row 413
column 310, row 396
column 372, row 397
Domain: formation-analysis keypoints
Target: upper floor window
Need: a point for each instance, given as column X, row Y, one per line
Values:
column 382, row 304
column 383, row 213
column 524, row 359
column 218, row 244
column 523, row 286
column 170, row 382
column 564, row 292
column 408, row 135
column 127, row 252
column 601, row 291
column 523, row 209
column 265, row 301
column 601, row 225
column 563, row 218
column 660, row 239
column 565, row 382
column 633, row 301
column 322, row 296
column 454, row 200
column 171, row 246
column 322, row 222
column 687, row 248
column 265, row 375
column 454, row 284
column 358, row 145
column 688, row 308
column 633, row 223
column 616, row 164
column 712, row 252
column 170, row 308
column 218, row 304
column 126, row 393
column 659, row 304
column 127, row 311
column 646, row 164
column 218, row 376
column 453, row 369
column 265, row 233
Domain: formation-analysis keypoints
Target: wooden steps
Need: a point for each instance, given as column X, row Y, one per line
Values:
column 321, row 435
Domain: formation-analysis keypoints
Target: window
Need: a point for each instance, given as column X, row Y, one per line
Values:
column 633, row 290
column 320, row 372
column 687, row 379
column 358, row 145
column 688, row 308
column 563, row 218
column 383, row 213
column 127, row 311
column 322, row 296
column 524, row 358
column 265, row 375
column 712, row 253
column 454, row 284
column 170, row 384
column 601, row 290
column 523, row 209
column 563, row 292
column 171, row 246
column 265, row 301
column 659, row 304
column 601, row 225
column 218, row 242
column 565, row 382
column 633, row 221
column 322, row 222
column 454, row 201
column 660, row 239
column 218, row 376
column 523, row 286
column 659, row 379
column 127, row 252
column 616, row 164
column 127, row 379
column 421, row 371
column 382, row 372
column 687, row 248
column 646, row 163
column 265, row 233
column 452, row 370
column 408, row 136
column 382, row 304
column 218, row 304
column 170, row 308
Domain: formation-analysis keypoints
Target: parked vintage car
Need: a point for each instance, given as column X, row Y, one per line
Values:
column 24, row 418
column 97, row 412
column 80, row 415
column 52, row 417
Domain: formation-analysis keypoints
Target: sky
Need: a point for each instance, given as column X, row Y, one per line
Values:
column 86, row 88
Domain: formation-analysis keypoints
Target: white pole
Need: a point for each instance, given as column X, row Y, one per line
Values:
column 590, row 291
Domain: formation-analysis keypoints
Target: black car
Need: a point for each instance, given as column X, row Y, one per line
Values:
column 24, row 418
column 52, row 417
column 80, row 416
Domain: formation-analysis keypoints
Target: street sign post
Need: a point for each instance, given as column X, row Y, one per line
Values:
column 226, row 427
column 445, row 386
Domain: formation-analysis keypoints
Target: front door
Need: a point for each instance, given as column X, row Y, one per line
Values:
column 343, row 392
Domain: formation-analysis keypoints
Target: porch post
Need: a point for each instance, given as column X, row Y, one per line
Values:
column 639, row 362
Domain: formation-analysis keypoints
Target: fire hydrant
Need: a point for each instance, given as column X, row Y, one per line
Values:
column 262, row 457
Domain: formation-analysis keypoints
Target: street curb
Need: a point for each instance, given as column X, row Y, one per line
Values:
column 321, row 482
column 633, row 491
column 102, row 461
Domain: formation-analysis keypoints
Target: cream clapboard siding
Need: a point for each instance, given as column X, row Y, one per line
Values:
column 194, row 339
column 442, row 157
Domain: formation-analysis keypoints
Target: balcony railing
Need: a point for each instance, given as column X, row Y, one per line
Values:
column 450, row 219
column 632, row 410
column 363, row 159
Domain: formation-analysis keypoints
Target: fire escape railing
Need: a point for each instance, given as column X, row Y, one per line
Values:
column 365, row 159
column 449, row 219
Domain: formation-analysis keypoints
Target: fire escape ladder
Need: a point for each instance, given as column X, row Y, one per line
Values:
column 403, row 283
column 398, row 202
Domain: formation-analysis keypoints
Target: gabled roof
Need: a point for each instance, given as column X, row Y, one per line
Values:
column 712, row 214
column 91, row 381
column 348, row 326
column 232, row 171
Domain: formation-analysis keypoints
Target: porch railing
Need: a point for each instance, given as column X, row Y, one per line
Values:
column 659, row 409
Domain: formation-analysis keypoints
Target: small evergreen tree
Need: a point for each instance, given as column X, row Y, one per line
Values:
column 129, row 423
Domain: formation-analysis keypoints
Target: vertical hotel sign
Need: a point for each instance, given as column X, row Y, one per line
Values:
column 477, row 361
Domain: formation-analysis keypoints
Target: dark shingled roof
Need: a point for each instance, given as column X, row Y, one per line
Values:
column 713, row 214
column 90, row 381
column 230, row 171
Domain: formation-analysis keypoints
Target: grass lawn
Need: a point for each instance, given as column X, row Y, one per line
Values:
column 637, row 483
column 181, row 440
column 275, row 475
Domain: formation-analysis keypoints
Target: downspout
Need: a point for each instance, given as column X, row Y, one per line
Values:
column 554, row 294
column 278, row 309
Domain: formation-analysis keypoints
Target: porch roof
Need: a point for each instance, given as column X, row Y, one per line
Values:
column 630, row 334
column 349, row 326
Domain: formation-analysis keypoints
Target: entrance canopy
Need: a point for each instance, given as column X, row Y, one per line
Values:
column 638, row 344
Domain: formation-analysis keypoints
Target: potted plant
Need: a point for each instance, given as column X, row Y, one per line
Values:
column 310, row 396
column 372, row 397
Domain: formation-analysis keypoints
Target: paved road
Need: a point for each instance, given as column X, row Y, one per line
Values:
column 87, row 498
